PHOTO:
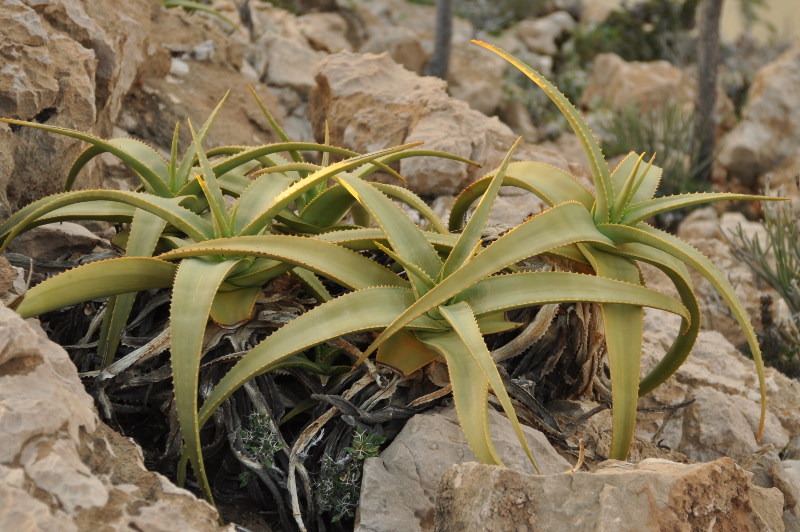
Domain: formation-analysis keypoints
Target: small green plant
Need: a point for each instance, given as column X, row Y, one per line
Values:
column 192, row 5
column 338, row 483
column 260, row 443
column 776, row 261
column 646, row 30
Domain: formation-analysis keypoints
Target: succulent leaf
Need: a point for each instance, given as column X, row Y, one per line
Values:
column 330, row 260
column 462, row 319
column 645, row 209
column 604, row 188
column 561, row 225
column 404, row 236
column 473, row 232
column 679, row 249
column 96, row 280
column 193, row 292
column 553, row 185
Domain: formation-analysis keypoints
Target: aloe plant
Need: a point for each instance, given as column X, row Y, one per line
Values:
column 622, row 201
column 460, row 298
column 175, row 183
column 450, row 290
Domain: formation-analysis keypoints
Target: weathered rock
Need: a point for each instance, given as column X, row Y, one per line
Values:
column 420, row 18
column 788, row 481
column 402, row 44
column 61, row 468
column 618, row 84
column 704, row 229
column 326, row 32
column 653, row 495
column 540, row 35
column 719, row 424
column 516, row 115
column 56, row 240
column 398, row 488
column 769, row 472
column 65, row 67
column 724, row 419
column 289, row 64
column 212, row 67
column 476, row 76
column 371, row 103
column 12, row 281
column 770, row 128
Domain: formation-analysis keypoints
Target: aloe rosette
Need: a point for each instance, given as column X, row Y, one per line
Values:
column 176, row 210
column 622, row 201
column 440, row 308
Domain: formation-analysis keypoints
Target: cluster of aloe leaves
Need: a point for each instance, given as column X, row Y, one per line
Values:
column 223, row 223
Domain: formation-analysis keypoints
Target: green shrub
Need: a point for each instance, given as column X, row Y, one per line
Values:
column 643, row 31
column 776, row 261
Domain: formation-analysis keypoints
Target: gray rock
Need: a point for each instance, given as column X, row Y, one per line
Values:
column 539, row 35
column 326, row 32
column 398, row 487
column 52, row 241
column 770, row 128
column 654, row 495
column 724, row 419
column 371, row 102
column 64, row 67
column 769, row 472
column 289, row 64
column 402, row 44
column 475, row 76
column 718, row 424
column 61, row 468
column 618, row 84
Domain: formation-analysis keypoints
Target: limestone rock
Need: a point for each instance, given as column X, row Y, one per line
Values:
column 159, row 101
column 325, row 31
column 770, row 128
column 770, row 472
column 55, row 240
column 786, row 477
column 724, row 419
column 64, row 67
column 784, row 179
column 539, row 35
column 475, row 76
column 402, row 44
column 12, row 281
column 617, row 83
column 61, row 468
column 289, row 64
column 653, row 495
column 704, row 230
column 398, row 488
column 371, row 103
column 719, row 424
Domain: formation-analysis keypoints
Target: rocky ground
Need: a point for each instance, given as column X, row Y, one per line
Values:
column 135, row 69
